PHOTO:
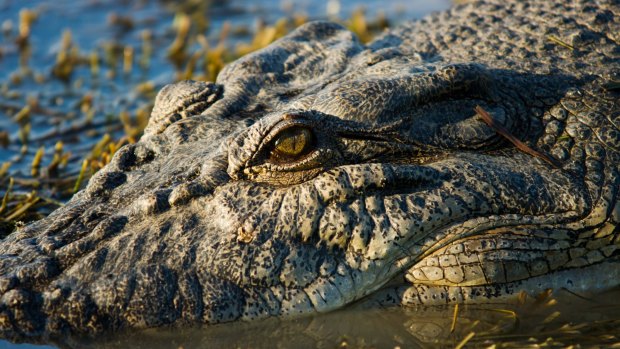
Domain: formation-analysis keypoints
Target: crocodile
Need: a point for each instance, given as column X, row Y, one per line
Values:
column 467, row 157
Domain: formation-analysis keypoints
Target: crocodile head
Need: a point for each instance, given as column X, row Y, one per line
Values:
column 467, row 156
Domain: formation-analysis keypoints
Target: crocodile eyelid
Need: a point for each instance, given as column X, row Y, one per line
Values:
column 272, row 135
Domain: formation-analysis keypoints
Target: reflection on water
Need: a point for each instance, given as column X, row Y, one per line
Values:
column 557, row 320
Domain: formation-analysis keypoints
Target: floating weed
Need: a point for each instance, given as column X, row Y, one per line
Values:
column 177, row 50
column 365, row 29
column 36, row 162
column 464, row 341
column 93, row 59
column 26, row 18
column 113, row 147
column 551, row 317
column 188, row 73
column 78, row 182
column 473, row 325
column 551, row 302
column 86, row 103
column 5, row 140
column 7, row 195
column 454, row 317
column 60, row 159
column 24, row 134
column 135, row 126
column 22, row 208
column 214, row 62
column 127, row 59
column 66, row 59
column 224, row 33
column 266, row 34
column 98, row 155
column 357, row 24
column 510, row 313
column 146, row 88
column 147, row 48
column 100, row 146
column 299, row 19
column 23, row 116
column 112, row 52
column 4, row 169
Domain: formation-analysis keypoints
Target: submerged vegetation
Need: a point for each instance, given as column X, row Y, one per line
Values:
column 58, row 128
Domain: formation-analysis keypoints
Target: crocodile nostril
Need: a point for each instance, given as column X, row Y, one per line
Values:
column 104, row 182
column 132, row 155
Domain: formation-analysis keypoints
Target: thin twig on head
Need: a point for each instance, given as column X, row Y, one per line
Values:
column 502, row 131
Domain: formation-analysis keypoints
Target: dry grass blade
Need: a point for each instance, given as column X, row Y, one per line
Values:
column 509, row 312
column 23, row 209
column 36, row 162
column 464, row 341
column 23, row 115
column 127, row 59
column 551, row 317
column 51, row 201
column 502, row 131
column 78, row 182
column 454, row 317
column 4, row 168
column 556, row 40
column 7, row 194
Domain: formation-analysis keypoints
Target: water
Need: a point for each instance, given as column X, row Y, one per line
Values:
column 557, row 320
column 61, row 113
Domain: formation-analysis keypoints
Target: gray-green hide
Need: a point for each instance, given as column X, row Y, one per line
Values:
column 319, row 171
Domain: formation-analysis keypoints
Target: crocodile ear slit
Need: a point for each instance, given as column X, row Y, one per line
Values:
column 180, row 101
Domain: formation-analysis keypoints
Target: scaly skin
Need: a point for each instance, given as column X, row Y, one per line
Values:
column 401, row 194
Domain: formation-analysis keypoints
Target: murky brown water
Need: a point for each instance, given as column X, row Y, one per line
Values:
column 554, row 321
column 100, row 102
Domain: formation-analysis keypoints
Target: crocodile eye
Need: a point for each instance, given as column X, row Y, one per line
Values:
column 292, row 143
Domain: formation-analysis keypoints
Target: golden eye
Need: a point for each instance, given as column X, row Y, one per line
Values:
column 293, row 143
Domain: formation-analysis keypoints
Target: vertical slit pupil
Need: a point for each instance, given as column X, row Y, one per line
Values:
column 293, row 142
